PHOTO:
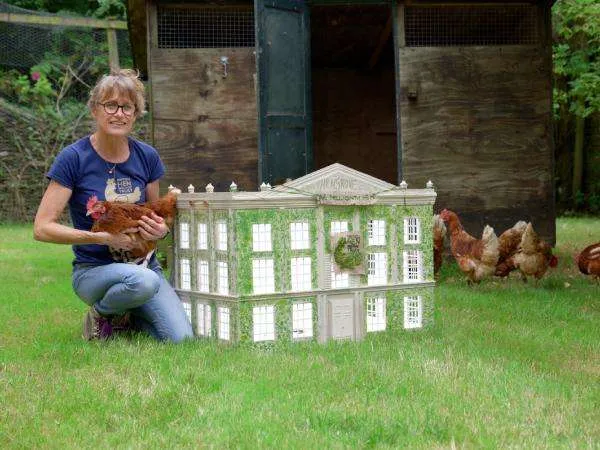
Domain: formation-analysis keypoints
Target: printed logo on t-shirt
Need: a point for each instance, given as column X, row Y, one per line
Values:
column 121, row 190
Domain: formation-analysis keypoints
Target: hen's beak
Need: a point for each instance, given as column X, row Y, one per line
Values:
column 88, row 213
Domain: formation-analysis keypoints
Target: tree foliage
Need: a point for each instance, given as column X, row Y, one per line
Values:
column 102, row 9
column 576, row 26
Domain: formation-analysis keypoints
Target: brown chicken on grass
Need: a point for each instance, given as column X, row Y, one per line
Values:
column 588, row 261
column 116, row 217
column 477, row 258
column 508, row 244
column 439, row 233
column 534, row 255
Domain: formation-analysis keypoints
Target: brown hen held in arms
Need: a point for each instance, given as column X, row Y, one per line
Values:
column 116, row 217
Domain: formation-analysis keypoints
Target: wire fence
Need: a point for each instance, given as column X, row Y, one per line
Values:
column 48, row 64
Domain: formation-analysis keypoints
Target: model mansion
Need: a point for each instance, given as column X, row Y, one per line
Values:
column 334, row 254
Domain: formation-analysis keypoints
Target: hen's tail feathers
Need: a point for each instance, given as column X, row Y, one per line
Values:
column 529, row 240
column 520, row 226
column 489, row 255
column 439, row 225
column 165, row 206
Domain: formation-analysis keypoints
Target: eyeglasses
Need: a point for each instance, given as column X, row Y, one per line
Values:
column 112, row 108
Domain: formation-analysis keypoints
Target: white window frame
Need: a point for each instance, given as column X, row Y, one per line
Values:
column 413, row 312
column 203, row 276
column 299, row 236
column 263, row 323
column 302, row 320
column 412, row 230
column 184, row 235
column 377, row 268
column 202, row 236
column 339, row 226
column 376, row 231
column 376, row 313
column 203, row 319
column 412, row 266
column 223, row 321
column 263, row 276
column 301, row 274
column 261, row 237
column 222, row 235
column 222, row 278
column 185, row 275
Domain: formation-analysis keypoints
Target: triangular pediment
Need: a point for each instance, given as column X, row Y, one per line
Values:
column 337, row 180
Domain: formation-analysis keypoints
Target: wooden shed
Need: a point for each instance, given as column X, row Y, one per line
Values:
column 458, row 92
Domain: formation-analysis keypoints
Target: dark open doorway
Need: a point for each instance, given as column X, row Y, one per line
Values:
column 353, row 88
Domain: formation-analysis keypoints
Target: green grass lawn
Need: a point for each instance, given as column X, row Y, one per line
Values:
column 506, row 364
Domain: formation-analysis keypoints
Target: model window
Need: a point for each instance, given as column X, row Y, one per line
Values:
column 261, row 237
column 203, row 276
column 376, row 230
column 412, row 230
column 302, row 320
column 223, row 278
column 338, row 226
column 263, row 279
column 203, row 319
column 221, row 236
column 186, row 281
column 301, row 274
column 184, row 235
column 413, row 266
column 299, row 235
column 376, row 316
column 223, row 322
column 202, row 236
column 413, row 312
column 263, row 319
column 377, row 268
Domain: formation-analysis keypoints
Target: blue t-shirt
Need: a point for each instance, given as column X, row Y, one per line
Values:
column 79, row 168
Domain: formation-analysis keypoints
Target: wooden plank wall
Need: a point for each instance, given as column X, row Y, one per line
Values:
column 205, row 124
column 480, row 129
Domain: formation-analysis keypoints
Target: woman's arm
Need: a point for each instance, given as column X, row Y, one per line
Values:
column 47, row 229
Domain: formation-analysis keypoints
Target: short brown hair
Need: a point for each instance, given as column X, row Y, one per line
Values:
column 124, row 81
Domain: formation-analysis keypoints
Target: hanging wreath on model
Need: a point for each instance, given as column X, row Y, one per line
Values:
column 348, row 254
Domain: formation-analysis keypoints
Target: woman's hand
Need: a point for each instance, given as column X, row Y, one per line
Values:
column 119, row 241
column 153, row 228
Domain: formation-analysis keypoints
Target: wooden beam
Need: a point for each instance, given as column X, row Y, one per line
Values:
column 383, row 38
column 63, row 21
column 113, row 49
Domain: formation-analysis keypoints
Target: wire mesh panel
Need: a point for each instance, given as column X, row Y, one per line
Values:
column 210, row 27
column 439, row 26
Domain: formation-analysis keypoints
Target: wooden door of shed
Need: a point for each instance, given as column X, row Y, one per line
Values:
column 284, row 86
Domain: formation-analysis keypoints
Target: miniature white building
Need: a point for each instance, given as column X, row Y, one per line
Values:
column 334, row 254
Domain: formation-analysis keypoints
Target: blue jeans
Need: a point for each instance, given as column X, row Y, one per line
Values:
column 117, row 288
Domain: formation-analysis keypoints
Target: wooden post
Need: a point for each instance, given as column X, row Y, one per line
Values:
column 113, row 49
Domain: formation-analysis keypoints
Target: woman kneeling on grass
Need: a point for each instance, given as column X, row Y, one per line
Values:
column 111, row 165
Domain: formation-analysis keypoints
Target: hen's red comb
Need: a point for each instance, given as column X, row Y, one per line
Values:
column 91, row 202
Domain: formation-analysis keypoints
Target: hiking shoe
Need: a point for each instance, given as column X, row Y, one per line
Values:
column 96, row 327
column 121, row 324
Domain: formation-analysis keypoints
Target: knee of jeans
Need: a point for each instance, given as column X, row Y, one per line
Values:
column 179, row 336
column 143, row 285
